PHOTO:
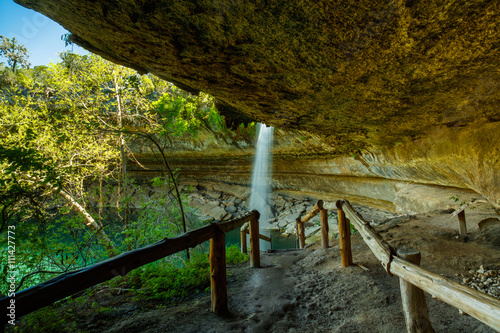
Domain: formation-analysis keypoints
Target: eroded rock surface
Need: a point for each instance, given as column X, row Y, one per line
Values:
column 400, row 98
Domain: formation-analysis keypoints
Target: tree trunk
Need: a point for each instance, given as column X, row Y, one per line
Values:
column 124, row 163
column 91, row 224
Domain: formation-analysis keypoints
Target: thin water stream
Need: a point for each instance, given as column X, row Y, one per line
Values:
column 261, row 176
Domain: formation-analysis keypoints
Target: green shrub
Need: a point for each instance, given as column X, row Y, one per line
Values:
column 234, row 255
column 48, row 319
column 168, row 281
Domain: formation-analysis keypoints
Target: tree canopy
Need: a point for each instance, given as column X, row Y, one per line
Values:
column 16, row 53
column 65, row 133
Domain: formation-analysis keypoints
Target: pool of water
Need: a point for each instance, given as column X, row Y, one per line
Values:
column 278, row 241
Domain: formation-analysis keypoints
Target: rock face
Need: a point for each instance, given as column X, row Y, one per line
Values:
column 414, row 177
column 396, row 102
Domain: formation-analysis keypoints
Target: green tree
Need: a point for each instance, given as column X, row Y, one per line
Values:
column 15, row 53
column 56, row 111
column 65, row 127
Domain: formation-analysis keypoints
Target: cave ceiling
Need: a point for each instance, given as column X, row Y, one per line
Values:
column 361, row 73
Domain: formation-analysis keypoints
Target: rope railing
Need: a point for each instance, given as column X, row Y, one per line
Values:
column 414, row 279
column 48, row 292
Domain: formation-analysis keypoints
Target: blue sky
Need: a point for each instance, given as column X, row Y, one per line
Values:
column 40, row 35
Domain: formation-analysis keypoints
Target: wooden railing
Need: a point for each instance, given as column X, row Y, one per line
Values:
column 414, row 279
column 317, row 208
column 34, row 298
column 244, row 231
column 404, row 264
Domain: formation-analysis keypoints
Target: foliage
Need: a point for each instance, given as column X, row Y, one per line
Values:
column 17, row 193
column 67, row 127
column 353, row 229
column 183, row 113
column 163, row 282
column 47, row 319
column 157, row 214
column 234, row 255
column 169, row 281
column 463, row 202
column 16, row 53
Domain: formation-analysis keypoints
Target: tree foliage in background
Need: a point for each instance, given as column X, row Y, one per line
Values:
column 65, row 132
column 16, row 53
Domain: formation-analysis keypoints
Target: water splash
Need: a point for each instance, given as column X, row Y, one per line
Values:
column 261, row 177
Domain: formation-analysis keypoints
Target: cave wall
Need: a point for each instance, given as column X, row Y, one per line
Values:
column 362, row 73
column 392, row 102
column 414, row 177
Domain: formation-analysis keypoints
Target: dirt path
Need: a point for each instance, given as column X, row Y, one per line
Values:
column 308, row 291
column 304, row 291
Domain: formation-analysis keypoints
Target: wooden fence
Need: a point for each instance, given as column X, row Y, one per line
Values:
column 244, row 231
column 414, row 279
column 34, row 298
column 402, row 263
column 317, row 208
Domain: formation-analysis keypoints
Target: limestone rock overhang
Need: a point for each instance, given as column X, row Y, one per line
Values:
column 404, row 90
column 361, row 72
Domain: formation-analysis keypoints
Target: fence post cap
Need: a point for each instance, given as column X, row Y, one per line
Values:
column 339, row 204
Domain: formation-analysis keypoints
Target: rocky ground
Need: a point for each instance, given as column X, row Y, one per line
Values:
column 220, row 206
column 308, row 290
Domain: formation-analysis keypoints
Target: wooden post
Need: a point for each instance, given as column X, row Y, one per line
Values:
column 462, row 224
column 218, row 285
column 243, row 237
column 254, row 240
column 301, row 233
column 414, row 304
column 344, row 237
column 267, row 239
column 324, row 228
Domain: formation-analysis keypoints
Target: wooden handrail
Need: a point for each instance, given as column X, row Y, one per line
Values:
column 318, row 207
column 245, row 227
column 43, row 294
column 244, row 231
column 383, row 251
column 477, row 304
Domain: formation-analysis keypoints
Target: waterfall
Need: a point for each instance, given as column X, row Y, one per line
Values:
column 261, row 177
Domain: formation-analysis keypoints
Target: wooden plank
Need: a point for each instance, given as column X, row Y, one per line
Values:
column 64, row 285
column 459, row 210
column 462, row 224
column 36, row 297
column 313, row 212
column 476, row 304
column 301, row 234
column 243, row 241
column 236, row 223
column 243, row 237
column 218, row 284
column 413, row 299
column 268, row 239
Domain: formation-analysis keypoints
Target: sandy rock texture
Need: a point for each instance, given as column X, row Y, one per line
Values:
column 376, row 96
